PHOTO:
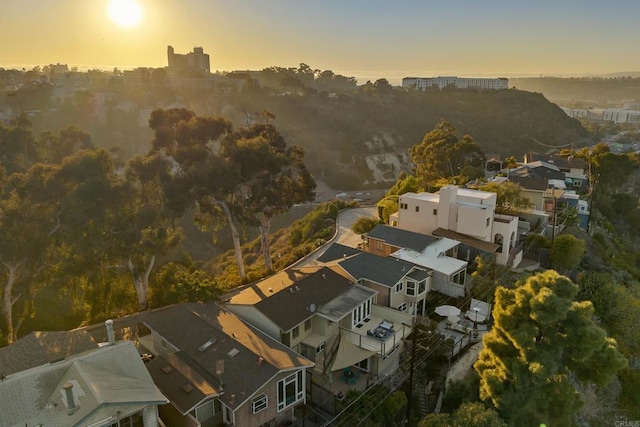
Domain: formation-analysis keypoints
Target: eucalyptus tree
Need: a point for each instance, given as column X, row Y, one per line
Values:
column 272, row 176
column 29, row 218
column 202, row 172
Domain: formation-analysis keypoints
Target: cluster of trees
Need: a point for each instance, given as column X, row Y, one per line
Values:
column 69, row 213
column 304, row 77
column 548, row 350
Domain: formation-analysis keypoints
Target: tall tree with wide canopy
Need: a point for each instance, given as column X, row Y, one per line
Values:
column 442, row 155
column 29, row 217
column 540, row 339
column 272, row 176
column 203, row 173
column 145, row 224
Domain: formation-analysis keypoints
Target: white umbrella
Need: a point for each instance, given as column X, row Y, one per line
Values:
column 447, row 310
column 453, row 319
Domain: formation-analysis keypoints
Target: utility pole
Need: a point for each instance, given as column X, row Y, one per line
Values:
column 411, row 367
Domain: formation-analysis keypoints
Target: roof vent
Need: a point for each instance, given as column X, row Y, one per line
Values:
column 260, row 360
column 167, row 369
column 270, row 289
column 233, row 352
column 206, row 345
column 297, row 288
column 70, row 400
column 187, row 388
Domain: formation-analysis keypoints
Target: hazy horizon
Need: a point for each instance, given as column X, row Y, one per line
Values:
column 367, row 40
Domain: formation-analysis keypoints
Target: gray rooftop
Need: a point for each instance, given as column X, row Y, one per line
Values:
column 336, row 251
column 386, row 271
column 340, row 307
column 237, row 344
column 105, row 380
column 401, row 238
column 39, row 348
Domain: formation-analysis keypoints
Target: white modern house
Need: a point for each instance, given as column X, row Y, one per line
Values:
column 466, row 213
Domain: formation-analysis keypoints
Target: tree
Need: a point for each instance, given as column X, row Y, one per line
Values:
column 566, row 252
column 271, row 176
column 183, row 282
column 442, row 155
column 29, row 217
column 468, row 414
column 540, row 339
column 509, row 198
column 206, row 176
column 364, row 224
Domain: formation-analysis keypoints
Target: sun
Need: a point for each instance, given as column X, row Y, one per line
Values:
column 126, row 13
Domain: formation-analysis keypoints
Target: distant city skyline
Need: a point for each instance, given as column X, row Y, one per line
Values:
column 364, row 39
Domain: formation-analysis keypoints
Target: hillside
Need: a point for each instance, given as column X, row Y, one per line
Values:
column 584, row 92
column 361, row 138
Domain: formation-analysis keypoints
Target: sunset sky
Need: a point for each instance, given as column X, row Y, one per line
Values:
column 368, row 39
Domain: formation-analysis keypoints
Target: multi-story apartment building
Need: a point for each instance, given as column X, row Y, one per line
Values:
column 441, row 82
column 196, row 60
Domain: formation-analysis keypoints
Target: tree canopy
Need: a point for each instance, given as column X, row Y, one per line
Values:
column 541, row 338
column 442, row 155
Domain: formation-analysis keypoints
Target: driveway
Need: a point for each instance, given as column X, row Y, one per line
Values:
column 343, row 235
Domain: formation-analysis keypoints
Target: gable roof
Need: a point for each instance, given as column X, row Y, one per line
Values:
column 530, row 182
column 42, row 347
column 401, row 238
column 106, row 381
column 337, row 251
column 250, row 358
column 570, row 162
column 284, row 298
column 383, row 270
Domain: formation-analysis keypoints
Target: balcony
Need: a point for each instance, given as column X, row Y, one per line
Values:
column 382, row 332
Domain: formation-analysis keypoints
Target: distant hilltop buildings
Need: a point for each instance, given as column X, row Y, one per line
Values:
column 196, row 60
column 441, row 82
column 629, row 114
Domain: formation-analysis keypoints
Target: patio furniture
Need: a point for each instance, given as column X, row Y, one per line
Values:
column 349, row 376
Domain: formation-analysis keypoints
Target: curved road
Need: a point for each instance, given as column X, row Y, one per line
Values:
column 343, row 235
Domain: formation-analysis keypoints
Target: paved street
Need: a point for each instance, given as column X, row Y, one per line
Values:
column 343, row 235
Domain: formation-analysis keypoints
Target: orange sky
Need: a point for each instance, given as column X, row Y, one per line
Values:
column 358, row 37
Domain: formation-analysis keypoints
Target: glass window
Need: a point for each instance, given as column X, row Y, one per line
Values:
column 361, row 312
column 399, row 287
column 422, row 287
column 290, row 390
column 403, row 306
column 417, row 208
column 259, row 403
column 295, row 333
column 411, row 288
column 307, row 324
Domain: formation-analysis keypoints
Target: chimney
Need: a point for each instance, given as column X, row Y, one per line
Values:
column 71, row 403
column 110, row 335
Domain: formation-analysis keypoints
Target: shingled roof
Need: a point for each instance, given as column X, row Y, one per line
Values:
column 401, row 238
column 386, row 271
column 216, row 338
column 285, row 297
column 41, row 347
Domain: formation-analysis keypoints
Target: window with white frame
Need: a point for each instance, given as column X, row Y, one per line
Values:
column 379, row 245
column 422, row 287
column 259, row 403
column 399, row 287
column 227, row 415
column 403, row 306
column 459, row 277
column 290, row 390
column 320, row 348
column 417, row 208
column 307, row 324
column 411, row 288
column 295, row 333
column 361, row 312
